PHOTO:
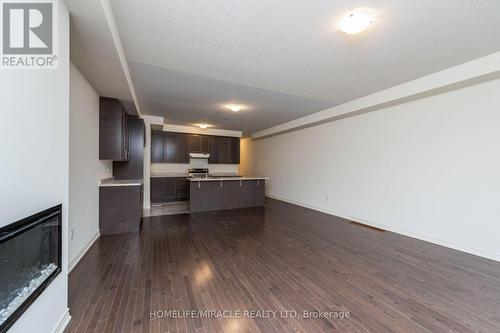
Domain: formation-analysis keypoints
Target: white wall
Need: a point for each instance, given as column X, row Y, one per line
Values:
column 34, row 162
column 85, row 168
column 428, row 168
column 248, row 162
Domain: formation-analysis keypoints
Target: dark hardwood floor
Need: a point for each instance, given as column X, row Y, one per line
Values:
column 279, row 258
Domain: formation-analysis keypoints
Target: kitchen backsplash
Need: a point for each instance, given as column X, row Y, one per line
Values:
column 194, row 163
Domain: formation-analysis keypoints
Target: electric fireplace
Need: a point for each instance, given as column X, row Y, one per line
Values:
column 30, row 259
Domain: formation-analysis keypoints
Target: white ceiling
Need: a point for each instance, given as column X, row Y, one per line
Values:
column 94, row 52
column 287, row 58
column 187, row 99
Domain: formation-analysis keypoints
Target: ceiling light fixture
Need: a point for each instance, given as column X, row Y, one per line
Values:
column 234, row 107
column 355, row 22
column 203, row 126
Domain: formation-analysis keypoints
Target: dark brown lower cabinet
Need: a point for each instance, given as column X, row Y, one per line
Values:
column 181, row 189
column 165, row 189
column 225, row 194
column 120, row 209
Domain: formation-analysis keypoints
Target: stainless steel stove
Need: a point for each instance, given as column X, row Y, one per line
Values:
column 198, row 172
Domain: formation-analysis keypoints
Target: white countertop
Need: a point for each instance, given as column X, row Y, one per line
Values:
column 227, row 178
column 223, row 174
column 120, row 182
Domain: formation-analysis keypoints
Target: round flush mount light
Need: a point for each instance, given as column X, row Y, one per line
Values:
column 234, row 107
column 203, row 126
column 355, row 22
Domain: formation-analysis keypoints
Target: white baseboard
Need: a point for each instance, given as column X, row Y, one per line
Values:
column 80, row 255
column 459, row 247
column 63, row 322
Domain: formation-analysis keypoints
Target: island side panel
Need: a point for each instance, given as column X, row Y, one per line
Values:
column 225, row 194
column 259, row 193
column 120, row 209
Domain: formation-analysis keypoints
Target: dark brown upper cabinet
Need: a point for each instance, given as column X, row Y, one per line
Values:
column 195, row 144
column 234, row 150
column 170, row 140
column 213, row 150
column 224, row 150
column 182, row 151
column 198, row 143
column 113, row 131
column 133, row 168
column 157, row 147
column 204, row 144
column 170, row 147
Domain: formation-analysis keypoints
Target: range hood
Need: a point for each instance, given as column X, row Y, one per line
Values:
column 199, row 155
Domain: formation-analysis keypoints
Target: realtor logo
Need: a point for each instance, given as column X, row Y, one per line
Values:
column 28, row 34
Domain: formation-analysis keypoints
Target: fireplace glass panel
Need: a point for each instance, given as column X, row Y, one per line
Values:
column 30, row 257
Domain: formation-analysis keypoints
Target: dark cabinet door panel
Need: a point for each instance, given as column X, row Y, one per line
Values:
column 182, row 151
column 223, row 149
column 171, row 145
column 165, row 189
column 157, row 147
column 133, row 168
column 204, row 144
column 120, row 209
column 234, row 150
column 213, row 150
column 125, row 136
column 113, row 132
column 182, row 189
column 195, row 143
column 156, row 189
column 169, row 189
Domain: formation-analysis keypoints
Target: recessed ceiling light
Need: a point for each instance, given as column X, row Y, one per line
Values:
column 234, row 107
column 203, row 126
column 355, row 22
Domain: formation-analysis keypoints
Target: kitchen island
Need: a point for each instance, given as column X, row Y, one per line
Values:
column 217, row 193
